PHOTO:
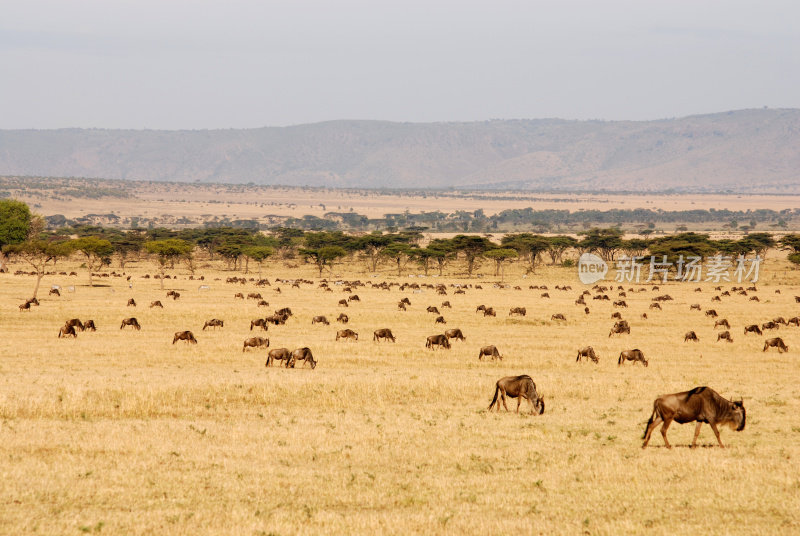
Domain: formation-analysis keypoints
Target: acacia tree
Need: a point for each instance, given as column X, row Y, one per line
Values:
column 96, row 250
column 499, row 256
column 528, row 246
column 167, row 252
column 324, row 256
column 606, row 242
column 441, row 251
column 557, row 245
column 473, row 247
column 399, row 253
column 15, row 221
column 39, row 254
column 259, row 254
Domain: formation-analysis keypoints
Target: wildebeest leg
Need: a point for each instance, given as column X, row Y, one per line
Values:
column 503, row 398
column 664, row 428
column 655, row 420
column 716, row 433
column 519, row 401
column 696, row 434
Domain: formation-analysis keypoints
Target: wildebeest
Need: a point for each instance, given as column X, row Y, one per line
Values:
column 620, row 326
column 89, row 325
column 238, row 295
column 213, row 323
column 631, row 355
column 480, row 308
column 343, row 303
column 780, row 320
column 130, row 322
column 446, row 304
column 54, row 292
column 255, row 342
column 712, row 313
column 518, row 387
column 25, row 307
column 723, row 322
column 587, row 352
column 254, row 296
column 776, row 342
column 437, row 340
column 440, row 320
column 794, row 321
column 175, row 295
column 67, row 331
column 304, row 355
column 655, row 306
column 617, row 315
column 754, row 298
column 354, row 297
column 284, row 312
column 489, row 311
column 690, row 336
column 260, row 322
column 522, row 311
column 406, row 301
column 620, row 303
column 263, row 303
column 544, row 295
column 346, row 334
column 454, row 334
column 278, row 354
column 343, row 318
column 432, row 309
column 752, row 328
column 401, row 306
column 491, row 351
column 131, row 303
column 558, row 316
column 384, row 333
column 769, row 325
column 725, row 335
column 701, row 404
column 156, row 303
column 320, row 320
column 187, row 336
column 75, row 323
column 694, row 306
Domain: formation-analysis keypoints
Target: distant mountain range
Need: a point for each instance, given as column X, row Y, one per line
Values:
column 741, row 151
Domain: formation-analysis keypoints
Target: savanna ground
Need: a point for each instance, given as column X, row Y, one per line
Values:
column 122, row 432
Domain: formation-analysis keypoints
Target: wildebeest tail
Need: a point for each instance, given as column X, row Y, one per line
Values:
column 649, row 422
column 496, row 392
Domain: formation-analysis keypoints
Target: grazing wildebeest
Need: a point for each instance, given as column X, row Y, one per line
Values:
column 346, row 334
column 620, row 326
column 794, row 321
column 130, row 322
column 304, row 355
column 284, row 312
column 797, row 299
column 67, row 331
column 260, row 322
column 384, row 333
column 518, row 387
column 690, row 336
column 558, row 316
column 440, row 320
column 437, row 340
column 723, row 322
column 238, row 295
column 254, row 296
column 752, row 328
column 343, row 318
column 725, row 335
column 263, row 303
column 769, row 325
column 25, row 307
column 779, row 320
column 694, row 306
column 320, row 320
column 406, row 301
column 617, row 315
column 401, row 306
column 89, row 325
column 491, row 351
column 776, row 342
column 701, row 404
column 187, row 336
column 156, row 303
column 454, row 334
column 489, row 311
column 278, row 354
column 446, row 304
column 343, row 303
column 175, row 295
column 644, row 316
column 754, row 298
column 480, row 308
column 54, row 292
column 712, row 313
column 255, row 342
column 432, row 309
column 75, row 323
column 354, row 297
column 631, row 355
column 522, row 311
column 131, row 303
column 544, row 295
column 620, row 303
column 213, row 323
column 587, row 352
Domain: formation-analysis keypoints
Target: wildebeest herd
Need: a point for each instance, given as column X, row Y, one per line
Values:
column 701, row 404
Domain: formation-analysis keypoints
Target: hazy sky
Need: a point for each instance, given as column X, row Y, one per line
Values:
column 168, row 64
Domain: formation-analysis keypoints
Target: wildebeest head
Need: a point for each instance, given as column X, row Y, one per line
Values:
column 739, row 416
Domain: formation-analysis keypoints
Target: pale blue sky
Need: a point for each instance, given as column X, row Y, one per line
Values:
column 171, row 64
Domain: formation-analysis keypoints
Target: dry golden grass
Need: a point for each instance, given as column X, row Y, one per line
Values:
column 122, row 432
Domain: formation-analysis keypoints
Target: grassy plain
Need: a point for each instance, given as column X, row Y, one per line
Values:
column 121, row 432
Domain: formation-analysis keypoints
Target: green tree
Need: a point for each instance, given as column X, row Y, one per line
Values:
column 499, row 256
column 96, row 250
column 791, row 241
column 398, row 253
column 324, row 256
column 558, row 245
column 39, row 254
column 606, row 242
column 259, row 254
column 794, row 258
column 166, row 252
column 15, row 220
column 473, row 247
column 528, row 246
column 441, row 251
column 684, row 244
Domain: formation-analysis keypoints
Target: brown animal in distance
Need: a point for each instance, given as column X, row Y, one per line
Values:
column 518, row 387
column 589, row 353
column 187, row 336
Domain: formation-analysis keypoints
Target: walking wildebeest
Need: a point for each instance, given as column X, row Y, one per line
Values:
column 260, row 322
column 213, row 323
column 255, row 342
column 320, row 320
column 723, row 322
column 346, row 334
column 631, row 355
column 701, row 404
column 187, row 336
column 432, row 309
column 522, row 311
column 75, row 323
column 278, row 354
column 440, row 320
column 437, row 340
column 454, row 334
column 491, row 351
column 343, row 318
column 156, row 303
column 131, row 303
column 304, row 355
column 384, row 333
column 725, row 335
column 558, row 316
column 130, row 322
column 621, row 326
column 690, row 336
column 776, row 342
column 587, row 352
column 518, row 387
column 752, row 328
column 67, row 331
column 489, row 311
